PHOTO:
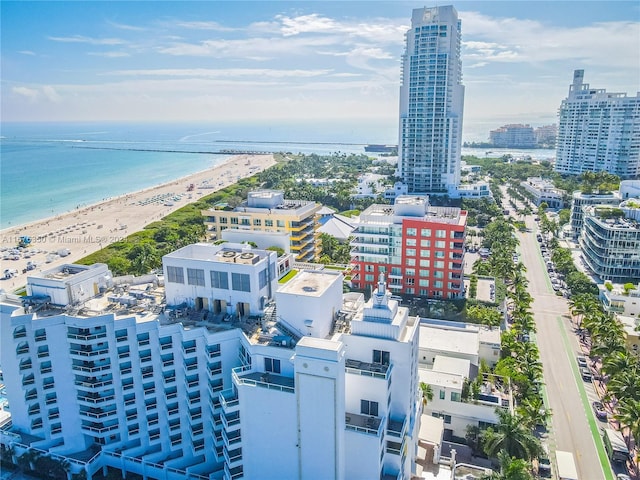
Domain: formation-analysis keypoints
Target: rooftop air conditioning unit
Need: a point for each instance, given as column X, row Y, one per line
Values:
column 228, row 256
column 247, row 258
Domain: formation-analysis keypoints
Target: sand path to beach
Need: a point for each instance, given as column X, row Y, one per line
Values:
column 87, row 230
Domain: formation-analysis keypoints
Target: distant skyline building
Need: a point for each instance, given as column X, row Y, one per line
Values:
column 598, row 131
column 431, row 103
column 514, row 135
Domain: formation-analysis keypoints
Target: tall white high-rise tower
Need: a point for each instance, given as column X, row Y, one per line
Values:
column 431, row 103
column 598, row 131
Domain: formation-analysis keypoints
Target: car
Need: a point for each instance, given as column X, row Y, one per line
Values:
column 586, row 374
column 582, row 361
column 623, row 476
column 598, row 409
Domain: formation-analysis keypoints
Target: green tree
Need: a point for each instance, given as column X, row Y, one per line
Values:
column 427, row 392
column 512, row 435
column 511, row 468
column 144, row 258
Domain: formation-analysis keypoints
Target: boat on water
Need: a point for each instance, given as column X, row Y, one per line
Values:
column 380, row 148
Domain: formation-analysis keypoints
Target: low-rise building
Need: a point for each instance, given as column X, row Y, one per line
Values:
column 631, row 327
column 269, row 211
column 475, row 190
column 543, row 190
column 514, row 135
column 620, row 301
column 610, row 241
column 454, row 399
column 228, row 278
column 581, row 200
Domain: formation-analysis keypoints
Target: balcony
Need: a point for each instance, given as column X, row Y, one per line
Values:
column 234, row 473
column 397, row 427
column 272, row 381
column 90, row 366
column 97, row 412
column 229, row 400
column 93, row 399
column 230, row 420
column 233, row 456
column 231, row 438
column 364, row 424
column 375, row 370
column 85, row 351
column 86, row 336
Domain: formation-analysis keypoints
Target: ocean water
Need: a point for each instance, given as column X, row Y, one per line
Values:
column 47, row 169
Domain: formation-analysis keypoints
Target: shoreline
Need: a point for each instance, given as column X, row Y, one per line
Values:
column 85, row 230
column 3, row 231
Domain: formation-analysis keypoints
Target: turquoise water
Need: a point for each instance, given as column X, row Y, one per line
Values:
column 47, row 169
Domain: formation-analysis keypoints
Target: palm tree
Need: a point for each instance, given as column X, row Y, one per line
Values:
column 427, row 392
column 512, row 435
column 533, row 411
column 511, row 468
column 625, row 386
column 618, row 362
column 629, row 416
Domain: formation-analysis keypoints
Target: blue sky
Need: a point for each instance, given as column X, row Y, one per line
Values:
column 277, row 61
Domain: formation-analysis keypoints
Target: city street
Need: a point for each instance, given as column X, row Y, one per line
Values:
column 574, row 427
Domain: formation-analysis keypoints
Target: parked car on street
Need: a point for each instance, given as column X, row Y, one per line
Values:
column 598, row 409
column 582, row 361
column 586, row 374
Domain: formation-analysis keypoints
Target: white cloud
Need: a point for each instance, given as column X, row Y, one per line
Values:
column 113, row 54
column 30, row 93
column 50, row 94
column 124, row 26
column 89, row 40
column 224, row 73
column 202, row 25
column 27, row 52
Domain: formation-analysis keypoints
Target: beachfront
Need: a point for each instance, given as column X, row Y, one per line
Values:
column 80, row 232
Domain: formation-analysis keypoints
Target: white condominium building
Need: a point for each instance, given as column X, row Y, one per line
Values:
column 431, row 103
column 315, row 385
column 598, row 131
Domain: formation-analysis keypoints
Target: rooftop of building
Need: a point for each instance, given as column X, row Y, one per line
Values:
column 415, row 208
column 227, row 252
column 630, row 325
column 310, row 283
column 613, row 217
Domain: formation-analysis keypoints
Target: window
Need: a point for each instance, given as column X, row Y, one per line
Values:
column 368, row 407
column 241, row 282
column 440, row 244
column 368, row 278
column 425, row 263
column 224, row 220
column 410, row 242
column 280, row 223
column 380, row 356
column 268, row 223
column 425, row 243
column 410, row 271
column 410, row 281
column 195, row 276
column 175, row 274
column 425, row 253
column 244, row 221
column 271, row 365
column 411, row 252
column 262, row 278
column 425, row 232
column 424, row 273
column 455, row 396
column 219, row 280
column 234, row 220
column 438, row 264
column 411, row 262
column 412, row 232
column 368, row 268
column 442, row 392
column 437, row 284
column 257, row 222
column 441, row 234
column 396, row 271
column 439, row 254
column 423, row 283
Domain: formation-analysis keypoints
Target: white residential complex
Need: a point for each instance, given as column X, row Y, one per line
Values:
column 598, row 131
column 431, row 103
column 307, row 383
column 543, row 190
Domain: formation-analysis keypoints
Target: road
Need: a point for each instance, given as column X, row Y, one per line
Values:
column 574, row 427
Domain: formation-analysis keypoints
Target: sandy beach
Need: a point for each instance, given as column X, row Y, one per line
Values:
column 87, row 230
